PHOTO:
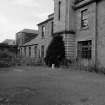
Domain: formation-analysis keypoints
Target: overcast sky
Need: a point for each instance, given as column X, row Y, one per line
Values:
column 16, row 15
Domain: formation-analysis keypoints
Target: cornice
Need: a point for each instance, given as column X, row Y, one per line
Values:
column 64, row 32
column 82, row 4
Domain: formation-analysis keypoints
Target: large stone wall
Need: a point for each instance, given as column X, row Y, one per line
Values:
column 69, row 40
column 48, row 35
column 66, row 25
column 101, row 33
column 67, row 19
column 59, row 25
column 69, row 26
column 39, row 41
column 90, row 32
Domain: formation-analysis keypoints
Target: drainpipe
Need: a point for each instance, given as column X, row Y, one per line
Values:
column 96, row 39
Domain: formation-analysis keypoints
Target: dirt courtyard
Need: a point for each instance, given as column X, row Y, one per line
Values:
column 44, row 86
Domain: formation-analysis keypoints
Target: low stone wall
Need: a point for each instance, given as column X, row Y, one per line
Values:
column 28, row 61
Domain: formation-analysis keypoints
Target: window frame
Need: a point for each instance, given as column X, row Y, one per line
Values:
column 84, row 51
column 35, row 50
column 43, row 31
column 42, row 51
column 84, row 19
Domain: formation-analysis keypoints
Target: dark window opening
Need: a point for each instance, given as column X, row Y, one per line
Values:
column 52, row 28
column 29, row 51
column 42, row 51
column 35, row 50
column 25, row 51
column 43, row 31
column 59, row 10
column 84, row 49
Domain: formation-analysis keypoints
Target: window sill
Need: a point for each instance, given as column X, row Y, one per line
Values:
column 84, row 28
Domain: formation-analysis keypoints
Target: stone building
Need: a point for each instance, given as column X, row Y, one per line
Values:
column 36, row 48
column 64, row 25
column 81, row 23
column 25, row 36
column 75, row 21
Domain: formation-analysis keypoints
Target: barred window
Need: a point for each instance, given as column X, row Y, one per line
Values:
column 84, row 49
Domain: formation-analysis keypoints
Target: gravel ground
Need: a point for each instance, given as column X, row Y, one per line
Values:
column 44, row 86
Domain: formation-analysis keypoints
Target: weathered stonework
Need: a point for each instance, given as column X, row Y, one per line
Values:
column 69, row 27
column 65, row 26
column 101, row 33
column 90, row 32
column 39, row 41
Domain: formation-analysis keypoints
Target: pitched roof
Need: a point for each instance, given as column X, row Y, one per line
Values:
column 34, row 41
column 29, row 31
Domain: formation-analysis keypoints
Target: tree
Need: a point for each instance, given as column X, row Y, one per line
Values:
column 55, row 52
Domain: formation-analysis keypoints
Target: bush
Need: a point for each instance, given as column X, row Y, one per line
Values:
column 6, row 59
column 55, row 52
column 5, row 62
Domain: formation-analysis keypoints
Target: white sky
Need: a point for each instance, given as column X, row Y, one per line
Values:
column 16, row 15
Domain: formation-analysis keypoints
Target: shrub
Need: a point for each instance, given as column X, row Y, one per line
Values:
column 6, row 59
column 55, row 52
